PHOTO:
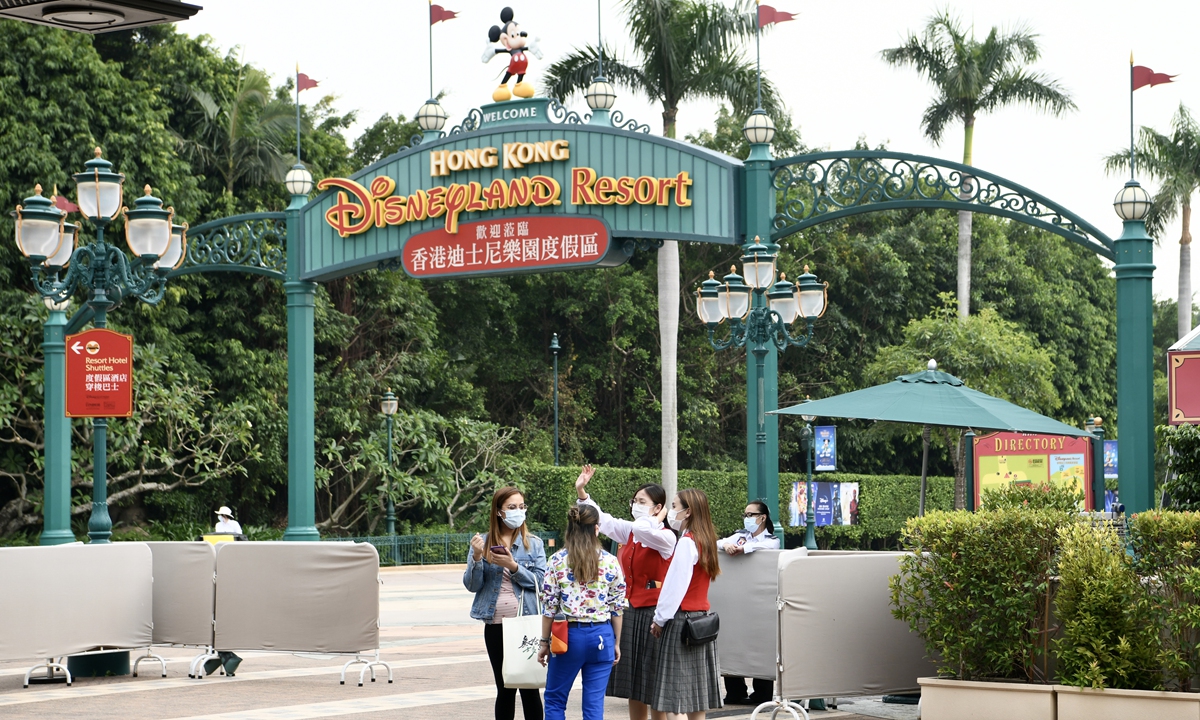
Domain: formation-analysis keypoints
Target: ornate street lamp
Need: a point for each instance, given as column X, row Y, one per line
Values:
column 388, row 406
column 299, row 181
column 61, row 267
column 1132, row 202
column 759, row 128
column 760, row 312
column 431, row 117
column 810, row 514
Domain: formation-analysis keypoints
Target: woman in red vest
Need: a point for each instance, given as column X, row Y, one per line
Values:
column 646, row 548
column 688, row 677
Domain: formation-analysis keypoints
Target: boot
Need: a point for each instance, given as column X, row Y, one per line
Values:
column 523, row 90
column 501, row 94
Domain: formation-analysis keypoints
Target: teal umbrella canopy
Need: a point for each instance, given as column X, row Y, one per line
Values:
column 932, row 397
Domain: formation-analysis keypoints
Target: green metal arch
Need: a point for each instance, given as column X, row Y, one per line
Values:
column 252, row 243
column 819, row 187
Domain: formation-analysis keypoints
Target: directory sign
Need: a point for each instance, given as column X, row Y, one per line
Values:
column 1006, row 458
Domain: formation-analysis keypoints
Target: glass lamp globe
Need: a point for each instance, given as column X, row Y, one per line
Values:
column 708, row 302
column 431, row 117
column 1132, row 202
column 99, row 189
column 70, row 240
column 388, row 405
column 759, row 127
column 173, row 257
column 299, row 180
column 600, row 95
column 734, row 296
column 784, row 300
column 758, row 265
column 39, row 226
column 812, row 295
column 148, row 226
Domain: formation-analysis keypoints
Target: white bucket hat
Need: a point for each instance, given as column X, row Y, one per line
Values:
column 223, row 510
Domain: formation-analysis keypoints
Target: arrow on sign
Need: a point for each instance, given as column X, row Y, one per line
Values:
column 76, row 347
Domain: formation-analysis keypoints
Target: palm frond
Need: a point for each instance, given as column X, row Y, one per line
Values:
column 733, row 79
column 937, row 116
column 573, row 73
column 1035, row 89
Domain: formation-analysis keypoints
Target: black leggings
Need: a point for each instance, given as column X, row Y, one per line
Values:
column 506, row 699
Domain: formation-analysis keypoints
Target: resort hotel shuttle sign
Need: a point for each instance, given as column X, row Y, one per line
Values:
column 519, row 194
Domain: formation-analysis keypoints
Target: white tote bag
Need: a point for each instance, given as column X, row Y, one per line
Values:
column 522, row 635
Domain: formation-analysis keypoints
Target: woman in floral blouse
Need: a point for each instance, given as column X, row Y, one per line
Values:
column 585, row 586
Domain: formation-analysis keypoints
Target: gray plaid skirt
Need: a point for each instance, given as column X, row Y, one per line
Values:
column 633, row 677
column 688, row 678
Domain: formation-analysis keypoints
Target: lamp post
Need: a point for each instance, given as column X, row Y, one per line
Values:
column 388, row 405
column 554, row 349
column 759, row 312
column 61, row 267
column 1135, row 347
column 810, row 515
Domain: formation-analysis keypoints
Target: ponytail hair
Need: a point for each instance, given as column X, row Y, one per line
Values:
column 762, row 508
column 582, row 545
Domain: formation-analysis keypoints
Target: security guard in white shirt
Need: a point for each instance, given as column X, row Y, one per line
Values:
column 757, row 533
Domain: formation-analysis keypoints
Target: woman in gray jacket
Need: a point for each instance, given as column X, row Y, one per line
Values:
column 505, row 570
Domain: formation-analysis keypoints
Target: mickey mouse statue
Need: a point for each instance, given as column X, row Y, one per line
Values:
column 515, row 41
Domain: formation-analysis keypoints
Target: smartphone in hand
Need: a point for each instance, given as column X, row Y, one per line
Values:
column 499, row 550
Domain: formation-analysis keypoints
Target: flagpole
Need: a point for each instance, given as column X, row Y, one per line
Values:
column 1132, row 174
column 431, row 48
column 758, row 48
column 297, row 112
column 599, row 42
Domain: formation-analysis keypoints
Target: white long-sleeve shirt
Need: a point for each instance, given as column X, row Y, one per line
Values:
column 645, row 531
column 675, row 584
column 229, row 526
column 749, row 542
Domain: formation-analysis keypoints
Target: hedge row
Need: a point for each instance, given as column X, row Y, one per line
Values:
column 885, row 501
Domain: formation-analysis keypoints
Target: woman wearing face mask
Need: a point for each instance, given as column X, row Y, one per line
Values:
column 505, row 570
column 688, row 679
column 646, row 548
column 586, row 585
column 757, row 533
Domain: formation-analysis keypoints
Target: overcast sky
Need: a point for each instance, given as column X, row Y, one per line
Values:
column 373, row 56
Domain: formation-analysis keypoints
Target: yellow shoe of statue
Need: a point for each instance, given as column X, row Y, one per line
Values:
column 523, row 90
column 501, row 94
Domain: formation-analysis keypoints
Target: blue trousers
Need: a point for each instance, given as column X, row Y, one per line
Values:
column 590, row 649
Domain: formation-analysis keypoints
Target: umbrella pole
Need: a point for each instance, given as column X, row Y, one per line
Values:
column 924, row 468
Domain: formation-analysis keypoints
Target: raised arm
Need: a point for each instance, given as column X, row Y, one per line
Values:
column 615, row 528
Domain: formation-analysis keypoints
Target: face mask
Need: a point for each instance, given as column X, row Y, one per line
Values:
column 514, row 518
column 640, row 511
column 749, row 524
column 674, row 521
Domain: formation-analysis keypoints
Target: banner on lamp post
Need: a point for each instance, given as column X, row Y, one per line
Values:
column 99, row 374
column 826, row 449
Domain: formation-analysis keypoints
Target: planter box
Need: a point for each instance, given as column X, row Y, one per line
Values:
column 1087, row 704
column 966, row 700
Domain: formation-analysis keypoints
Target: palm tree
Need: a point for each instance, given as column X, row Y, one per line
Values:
column 1174, row 160
column 971, row 78
column 242, row 136
column 686, row 49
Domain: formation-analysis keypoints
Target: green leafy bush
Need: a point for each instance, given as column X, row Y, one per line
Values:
column 1034, row 497
column 1166, row 547
column 1109, row 639
column 1183, row 483
column 976, row 587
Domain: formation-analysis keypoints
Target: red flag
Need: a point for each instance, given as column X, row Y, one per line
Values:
column 1143, row 76
column 437, row 13
column 304, row 82
column 768, row 15
column 64, row 204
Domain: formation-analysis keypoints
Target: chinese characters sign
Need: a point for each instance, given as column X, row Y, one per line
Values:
column 1006, row 458
column 99, row 374
column 505, row 245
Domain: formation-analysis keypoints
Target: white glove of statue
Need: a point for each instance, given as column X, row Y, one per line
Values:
column 534, row 48
column 489, row 52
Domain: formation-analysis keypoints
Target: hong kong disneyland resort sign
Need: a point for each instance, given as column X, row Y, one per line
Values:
column 519, row 194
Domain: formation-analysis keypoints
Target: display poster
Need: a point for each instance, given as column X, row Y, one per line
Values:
column 836, row 503
column 825, row 437
column 1110, row 459
column 1005, row 458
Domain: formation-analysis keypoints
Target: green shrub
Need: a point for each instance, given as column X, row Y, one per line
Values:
column 1166, row 547
column 1108, row 638
column 1183, row 483
column 1035, row 497
column 976, row 590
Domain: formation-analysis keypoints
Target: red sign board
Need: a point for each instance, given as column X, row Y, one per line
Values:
column 1007, row 458
column 506, row 245
column 99, row 374
column 1183, row 379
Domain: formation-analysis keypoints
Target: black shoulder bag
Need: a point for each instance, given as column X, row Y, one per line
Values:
column 701, row 629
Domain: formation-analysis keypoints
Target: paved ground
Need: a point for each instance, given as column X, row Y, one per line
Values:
column 436, row 651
